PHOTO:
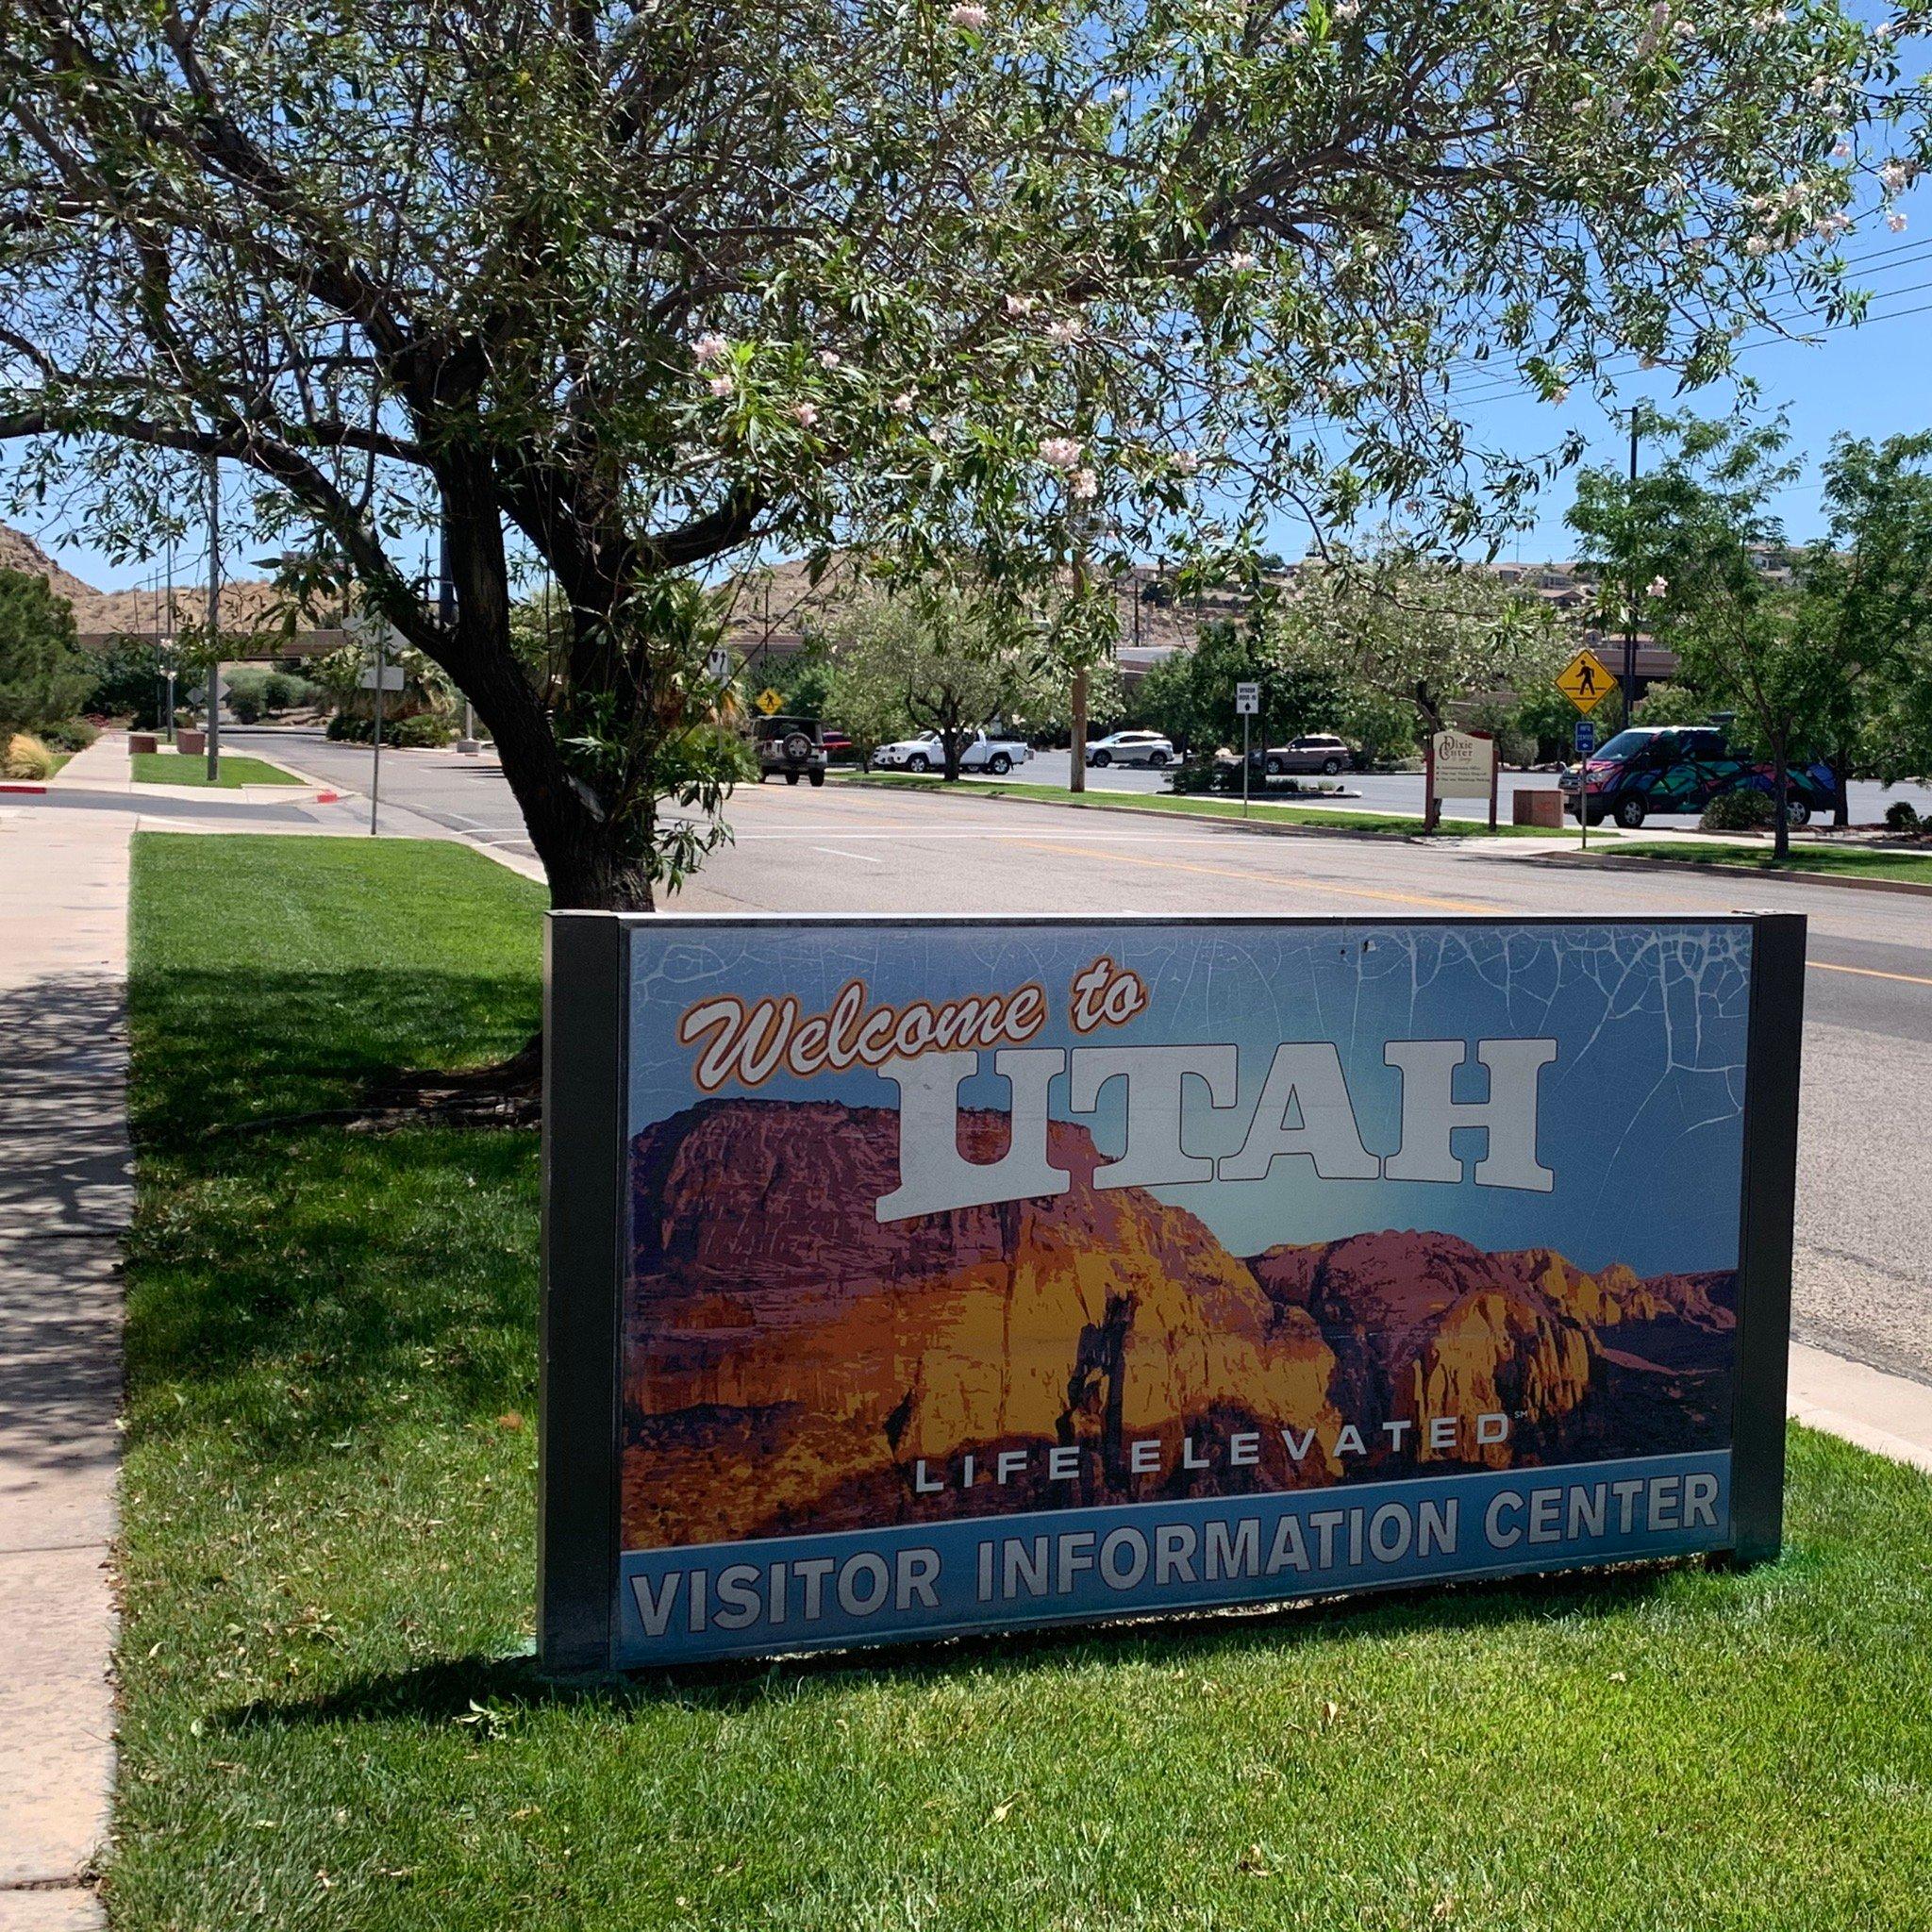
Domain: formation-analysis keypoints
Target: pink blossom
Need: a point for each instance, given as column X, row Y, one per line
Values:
column 1019, row 304
column 1893, row 175
column 829, row 359
column 1344, row 10
column 1657, row 587
column 805, row 414
column 710, row 348
column 1061, row 453
column 1084, row 485
column 973, row 17
column 1561, row 394
column 1757, row 245
column 1841, row 150
column 720, row 385
column 1298, row 36
column 1244, row 260
column 1895, row 222
column 903, row 402
column 1186, row 461
column 1068, row 330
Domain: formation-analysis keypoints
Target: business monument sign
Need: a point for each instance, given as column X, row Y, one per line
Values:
column 916, row 1276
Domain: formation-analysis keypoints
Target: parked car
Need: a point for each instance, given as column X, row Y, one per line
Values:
column 794, row 746
column 1319, row 752
column 837, row 745
column 927, row 753
column 1653, row 769
column 1131, row 748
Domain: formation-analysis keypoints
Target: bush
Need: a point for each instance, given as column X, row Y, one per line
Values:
column 416, row 733
column 1747, row 809
column 71, row 734
column 26, row 758
column 45, row 674
column 1199, row 772
column 1901, row 817
column 245, row 705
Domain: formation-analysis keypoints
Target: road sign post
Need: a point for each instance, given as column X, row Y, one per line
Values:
column 1586, row 681
column 379, row 678
column 1586, row 744
column 1247, row 701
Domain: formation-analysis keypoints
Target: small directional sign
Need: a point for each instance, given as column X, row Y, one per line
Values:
column 1247, row 700
column 769, row 700
column 719, row 664
column 391, row 677
column 1586, row 681
column 1586, row 737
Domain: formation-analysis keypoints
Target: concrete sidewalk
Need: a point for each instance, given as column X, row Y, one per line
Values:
column 65, row 1195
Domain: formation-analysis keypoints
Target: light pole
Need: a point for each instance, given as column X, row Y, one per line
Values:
column 1630, row 679
column 214, row 619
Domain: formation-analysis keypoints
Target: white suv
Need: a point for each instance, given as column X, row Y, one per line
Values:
column 1131, row 748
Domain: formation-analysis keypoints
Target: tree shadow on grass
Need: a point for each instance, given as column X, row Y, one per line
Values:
column 454, row 1689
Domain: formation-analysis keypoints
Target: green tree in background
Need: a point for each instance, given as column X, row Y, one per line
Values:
column 942, row 661
column 45, row 675
column 1191, row 695
column 1874, row 578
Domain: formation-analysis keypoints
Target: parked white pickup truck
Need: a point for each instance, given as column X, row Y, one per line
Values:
column 926, row 753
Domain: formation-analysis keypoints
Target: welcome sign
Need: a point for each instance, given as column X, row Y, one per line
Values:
column 910, row 1278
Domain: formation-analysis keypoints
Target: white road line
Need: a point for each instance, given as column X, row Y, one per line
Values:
column 864, row 857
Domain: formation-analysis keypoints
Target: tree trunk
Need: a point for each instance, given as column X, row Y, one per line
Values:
column 953, row 744
column 1076, row 753
column 1841, row 787
column 1781, row 825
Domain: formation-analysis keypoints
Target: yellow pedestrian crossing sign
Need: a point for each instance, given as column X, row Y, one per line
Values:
column 1586, row 681
column 769, row 700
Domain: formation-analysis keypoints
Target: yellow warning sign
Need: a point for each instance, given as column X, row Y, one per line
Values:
column 1586, row 681
column 769, row 700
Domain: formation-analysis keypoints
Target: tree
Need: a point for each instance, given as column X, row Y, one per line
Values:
column 636, row 290
column 938, row 661
column 1702, row 519
column 1396, row 627
column 1191, row 696
column 1874, row 576
column 43, row 674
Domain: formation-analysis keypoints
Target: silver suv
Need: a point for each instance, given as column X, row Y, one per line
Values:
column 1320, row 752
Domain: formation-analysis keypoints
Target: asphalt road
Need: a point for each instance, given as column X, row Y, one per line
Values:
column 1864, row 1276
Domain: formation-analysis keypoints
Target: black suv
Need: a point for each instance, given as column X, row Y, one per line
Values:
column 796, row 747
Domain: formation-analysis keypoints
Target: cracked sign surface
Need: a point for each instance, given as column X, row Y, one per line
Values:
column 987, row 1274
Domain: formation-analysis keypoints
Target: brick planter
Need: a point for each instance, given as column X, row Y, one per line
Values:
column 1537, row 808
column 138, row 742
column 190, row 744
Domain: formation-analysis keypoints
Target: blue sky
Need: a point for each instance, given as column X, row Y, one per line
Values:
column 1638, row 1115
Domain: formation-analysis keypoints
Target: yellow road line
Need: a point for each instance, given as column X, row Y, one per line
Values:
column 1868, row 973
column 1254, row 878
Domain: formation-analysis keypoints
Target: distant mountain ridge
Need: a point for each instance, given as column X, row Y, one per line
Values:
column 797, row 1361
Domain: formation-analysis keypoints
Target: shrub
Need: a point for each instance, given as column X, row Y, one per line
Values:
column 1197, row 772
column 1747, row 809
column 45, row 674
column 347, row 730
column 26, row 758
column 425, row 728
column 1901, row 817
column 245, row 705
column 71, row 734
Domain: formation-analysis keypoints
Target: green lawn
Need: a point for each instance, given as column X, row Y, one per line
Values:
column 328, row 1523
column 1852, row 862
column 170, row 768
column 1201, row 805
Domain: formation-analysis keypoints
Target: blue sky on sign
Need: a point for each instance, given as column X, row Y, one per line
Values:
column 1639, row 1115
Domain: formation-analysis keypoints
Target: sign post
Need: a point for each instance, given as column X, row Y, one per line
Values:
column 1247, row 701
column 1586, row 744
column 379, row 677
column 1070, row 1362
column 1586, row 681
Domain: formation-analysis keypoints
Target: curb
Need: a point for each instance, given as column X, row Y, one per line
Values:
column 1782, row 874
column 1212, row 820
column 31, row 788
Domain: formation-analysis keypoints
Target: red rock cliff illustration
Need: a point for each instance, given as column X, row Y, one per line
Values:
column 794, row 1366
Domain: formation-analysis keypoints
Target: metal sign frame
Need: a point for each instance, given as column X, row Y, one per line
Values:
column 585, row 1212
